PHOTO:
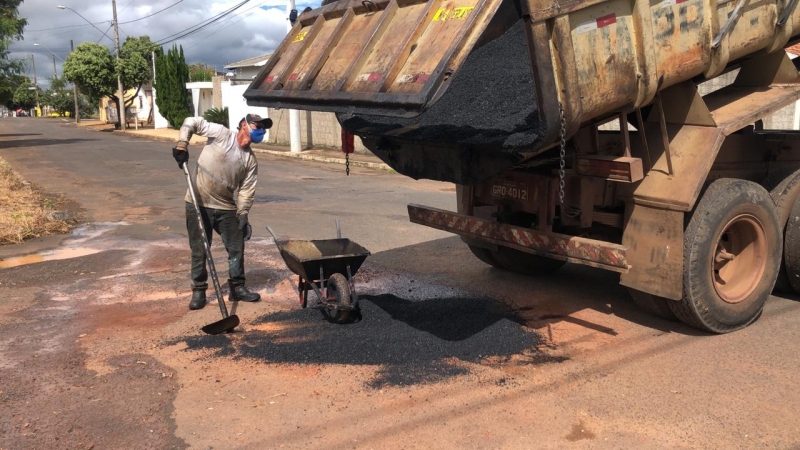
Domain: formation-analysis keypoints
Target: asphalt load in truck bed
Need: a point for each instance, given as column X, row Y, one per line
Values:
column 490, row 103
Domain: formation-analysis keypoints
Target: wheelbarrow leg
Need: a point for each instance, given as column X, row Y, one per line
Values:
column 300, row 288
column 352, row 286
column 322, row 284
column 353, row 295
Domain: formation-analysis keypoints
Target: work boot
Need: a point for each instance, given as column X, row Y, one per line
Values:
column 198, row 299
column 241, row 294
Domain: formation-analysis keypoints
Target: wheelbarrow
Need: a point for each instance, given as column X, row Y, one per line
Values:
column 326, row 267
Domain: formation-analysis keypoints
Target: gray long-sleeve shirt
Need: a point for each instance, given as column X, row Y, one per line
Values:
column 222, row 167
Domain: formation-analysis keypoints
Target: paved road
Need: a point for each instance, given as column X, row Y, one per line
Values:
column 99, row 348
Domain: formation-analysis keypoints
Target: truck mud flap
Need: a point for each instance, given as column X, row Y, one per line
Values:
column 589, row 252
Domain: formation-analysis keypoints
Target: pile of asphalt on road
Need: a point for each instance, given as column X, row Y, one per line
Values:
column 411, row 341
column 487, row 115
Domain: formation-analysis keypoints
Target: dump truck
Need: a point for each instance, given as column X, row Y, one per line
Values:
column 575, row 132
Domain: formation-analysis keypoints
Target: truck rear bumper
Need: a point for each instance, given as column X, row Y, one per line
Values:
column 589, row 252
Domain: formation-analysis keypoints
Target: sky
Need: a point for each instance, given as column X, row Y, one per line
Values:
column 255, row 28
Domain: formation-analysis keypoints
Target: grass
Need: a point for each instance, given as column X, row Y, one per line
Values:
column 24, row 212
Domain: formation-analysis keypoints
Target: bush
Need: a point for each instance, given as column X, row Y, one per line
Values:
column 217, row 115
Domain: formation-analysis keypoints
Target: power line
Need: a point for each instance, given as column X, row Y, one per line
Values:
column 58, row 28
column 197, row 27
column 106, row 33
column 98, row 23
column 201, row 25
column 126, row 6
column 228, row 25
column 151, row 15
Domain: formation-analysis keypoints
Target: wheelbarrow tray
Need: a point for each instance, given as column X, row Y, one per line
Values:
column 305, row 258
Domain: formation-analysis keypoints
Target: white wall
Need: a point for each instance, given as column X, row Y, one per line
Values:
column 160, row 121
column 233, row 99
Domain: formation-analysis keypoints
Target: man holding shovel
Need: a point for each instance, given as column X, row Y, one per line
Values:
column 226, row 165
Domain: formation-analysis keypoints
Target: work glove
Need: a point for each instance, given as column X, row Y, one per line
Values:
column 245, row 227
column 181, row 156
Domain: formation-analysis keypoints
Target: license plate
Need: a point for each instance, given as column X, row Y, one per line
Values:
column 512, row 190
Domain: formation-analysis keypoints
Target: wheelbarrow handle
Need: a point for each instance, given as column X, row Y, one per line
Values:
column 274, row 237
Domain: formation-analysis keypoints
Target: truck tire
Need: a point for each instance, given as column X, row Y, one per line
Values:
column 653, row 304
column 784, row 188
column 791, row 249
column 338, row 291
column 731, row 256
column 517, row 261
column 485, row 255
column 526, row 263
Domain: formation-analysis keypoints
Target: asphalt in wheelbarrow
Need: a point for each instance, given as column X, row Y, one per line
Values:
column 334, row 255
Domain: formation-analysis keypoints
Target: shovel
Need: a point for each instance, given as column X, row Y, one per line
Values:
column 228, row 323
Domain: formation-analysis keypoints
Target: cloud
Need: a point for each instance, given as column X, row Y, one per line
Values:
column 254, row 29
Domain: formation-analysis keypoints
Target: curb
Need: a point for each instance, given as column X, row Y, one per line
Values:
column 155, row 138
column 326, row 159
column 304, row 157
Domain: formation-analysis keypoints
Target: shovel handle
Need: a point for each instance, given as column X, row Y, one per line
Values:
column 220, row 300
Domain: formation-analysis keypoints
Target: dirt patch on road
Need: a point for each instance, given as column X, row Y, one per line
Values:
column 25, row 213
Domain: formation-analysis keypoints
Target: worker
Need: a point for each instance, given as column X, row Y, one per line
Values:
column 226, row 165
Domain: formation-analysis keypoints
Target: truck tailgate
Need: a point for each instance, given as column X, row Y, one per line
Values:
column 382, row 57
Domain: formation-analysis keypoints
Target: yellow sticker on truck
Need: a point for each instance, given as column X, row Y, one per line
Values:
column 300, row 36
column 460, row 13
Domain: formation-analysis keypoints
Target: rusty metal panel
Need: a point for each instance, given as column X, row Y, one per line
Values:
column 693, row 150
column 654, row 239
column 589, row 252
column 517, row 190
column 347, row 49
column 603, row 49
column 450, row 23
column 681, row 38
column 371, row 76
column 733, row 107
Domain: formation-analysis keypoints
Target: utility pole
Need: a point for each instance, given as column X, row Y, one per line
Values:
column 75, row 88
column 121, row 101
column 35, row 83
column 55, row 74
column 294, row 115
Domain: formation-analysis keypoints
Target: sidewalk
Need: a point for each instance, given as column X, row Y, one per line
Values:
column 92, row 123
column 317, row 155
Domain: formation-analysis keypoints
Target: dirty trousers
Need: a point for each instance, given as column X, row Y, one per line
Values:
column 226, row 224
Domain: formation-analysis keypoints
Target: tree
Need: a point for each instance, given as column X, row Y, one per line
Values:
column 11, row 27
column 25, row 96
column 217, row 115
column 172, row 98
column 59, row 97
column 94, row 69
column 8, row 86
column 91, row 67
column 201, row 72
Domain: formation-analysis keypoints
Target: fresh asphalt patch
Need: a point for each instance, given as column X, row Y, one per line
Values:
column 412, row 341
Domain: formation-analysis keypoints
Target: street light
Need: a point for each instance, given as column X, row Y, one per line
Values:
column 116, row 47
column 84, row 18
column 51, row 52
column 55, row 73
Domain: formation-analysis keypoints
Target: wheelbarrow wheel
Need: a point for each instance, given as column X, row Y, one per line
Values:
column 338, row 293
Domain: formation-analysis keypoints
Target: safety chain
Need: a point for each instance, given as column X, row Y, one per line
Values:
column 347, row 163
column 562, row 155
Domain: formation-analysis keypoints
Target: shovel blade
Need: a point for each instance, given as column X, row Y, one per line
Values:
column 222, row 326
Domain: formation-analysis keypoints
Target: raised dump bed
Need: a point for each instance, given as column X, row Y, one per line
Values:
column 459, row 90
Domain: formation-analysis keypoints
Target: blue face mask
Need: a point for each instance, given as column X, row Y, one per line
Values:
column 257, row 135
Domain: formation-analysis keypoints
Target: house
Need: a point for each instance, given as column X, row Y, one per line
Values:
column 247, row 69
column 139, row 109
column 202, row 96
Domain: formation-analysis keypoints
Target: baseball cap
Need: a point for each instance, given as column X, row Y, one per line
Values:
column 255, row 118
